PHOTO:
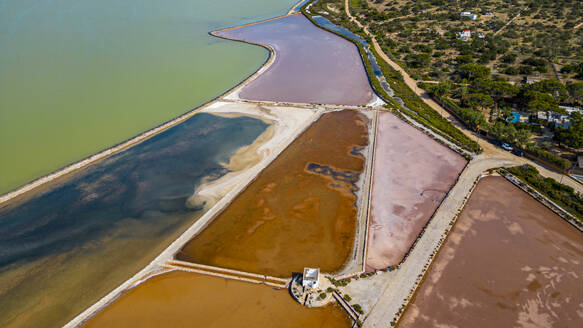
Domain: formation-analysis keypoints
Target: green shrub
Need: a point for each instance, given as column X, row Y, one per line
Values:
column 563, row 195
column 550, row 157
column 358, row 308
column 347, row 298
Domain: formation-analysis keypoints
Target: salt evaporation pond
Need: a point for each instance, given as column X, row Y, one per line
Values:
column 299, row 212
column 181, row 299
column 311, row 64
column 412, row 175
column 508, row 262
column 70, row 243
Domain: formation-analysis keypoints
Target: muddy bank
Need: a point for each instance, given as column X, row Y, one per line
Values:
column 179, row 299
column 311, row 65
column 508, row 262
column 412, row 175
column 300, row 211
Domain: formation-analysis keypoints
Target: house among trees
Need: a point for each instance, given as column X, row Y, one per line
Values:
column 464, row 35
column 468, row 14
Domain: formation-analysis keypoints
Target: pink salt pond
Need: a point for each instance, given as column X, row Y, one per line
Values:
column 311, row 65
column 412, row 175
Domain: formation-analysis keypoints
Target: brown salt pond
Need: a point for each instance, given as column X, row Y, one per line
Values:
column 183, row 299
column 299, row 212
column 311, row 65
column 412, row 174
column 508, row 262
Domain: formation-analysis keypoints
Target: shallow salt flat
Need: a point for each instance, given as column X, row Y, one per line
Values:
column 411, row 176
column 508, row 262
column 311, row 65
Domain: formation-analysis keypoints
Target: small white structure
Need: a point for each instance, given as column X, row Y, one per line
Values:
column 311, row 277
column 468, row 14
column 464, row 35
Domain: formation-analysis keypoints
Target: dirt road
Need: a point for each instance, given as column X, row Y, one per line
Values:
column 489, row 149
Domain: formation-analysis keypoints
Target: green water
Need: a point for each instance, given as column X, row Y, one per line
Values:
column 78, row 76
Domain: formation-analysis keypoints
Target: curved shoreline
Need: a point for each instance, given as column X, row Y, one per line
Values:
column 128, row 143
column 224, row 190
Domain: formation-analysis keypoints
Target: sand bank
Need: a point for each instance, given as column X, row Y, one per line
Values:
column 287, row 122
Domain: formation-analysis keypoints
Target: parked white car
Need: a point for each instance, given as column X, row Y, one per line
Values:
column 506, row 146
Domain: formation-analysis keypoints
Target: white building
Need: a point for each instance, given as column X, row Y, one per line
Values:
column 311, row 277
column 468, row 14
column 464, row 35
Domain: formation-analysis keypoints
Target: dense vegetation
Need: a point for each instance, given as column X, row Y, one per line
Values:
column 559, row 193
column 424, row 35
column 421, row 111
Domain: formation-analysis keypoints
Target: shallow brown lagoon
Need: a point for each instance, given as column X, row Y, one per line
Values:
column 298, row 212
column 412, row 174
column 181, row 299
column 311, row 65
column 509, row 262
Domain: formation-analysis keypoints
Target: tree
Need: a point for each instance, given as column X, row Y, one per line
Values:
column 473, row 71
column 523, row 137
column 573, row 136
column 551, row 86
column 440, row 89
column 535, row 101
column 478, row 100
column 576, row 91
column 418, row 60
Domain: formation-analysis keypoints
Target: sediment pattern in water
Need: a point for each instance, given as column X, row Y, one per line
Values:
column 412, row 174
column 78, row 76
column 181, row 299
column 311, row 64
column 508, row 262
column 299, row 212
column 67, row 245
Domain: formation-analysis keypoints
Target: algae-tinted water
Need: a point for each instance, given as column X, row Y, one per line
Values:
column 299, row 212
column 81, row 75
column 68, row 245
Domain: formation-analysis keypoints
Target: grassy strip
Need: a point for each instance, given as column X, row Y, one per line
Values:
column 549, row 157
column 423, row 113
column 561, row 194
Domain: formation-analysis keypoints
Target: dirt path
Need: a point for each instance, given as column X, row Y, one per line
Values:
column 489, row 149
column 506, row 25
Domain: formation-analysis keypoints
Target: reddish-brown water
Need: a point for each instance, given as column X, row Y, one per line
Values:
column 311, row 65
column 508, row 262
column 181, row 299
column 299, row 212
column 412, row 175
